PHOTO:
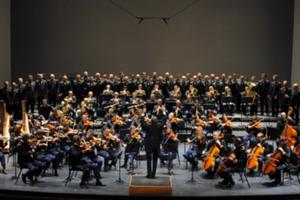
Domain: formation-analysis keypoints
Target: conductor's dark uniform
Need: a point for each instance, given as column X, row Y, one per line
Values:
column 153, row 139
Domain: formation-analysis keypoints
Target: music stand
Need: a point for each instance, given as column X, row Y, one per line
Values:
column 192, row 180
column 120, row 180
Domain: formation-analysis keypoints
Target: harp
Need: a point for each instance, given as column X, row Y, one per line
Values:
column 25, row 123
column 5, row 125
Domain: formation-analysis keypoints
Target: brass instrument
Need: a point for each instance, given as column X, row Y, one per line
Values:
column 5, row 124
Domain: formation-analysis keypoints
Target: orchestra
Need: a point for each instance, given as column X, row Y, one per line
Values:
column 82, row 121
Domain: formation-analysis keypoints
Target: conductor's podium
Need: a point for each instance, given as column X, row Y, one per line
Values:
column 142, row 186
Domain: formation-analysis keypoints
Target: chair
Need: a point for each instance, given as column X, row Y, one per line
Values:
column 74, row 168
column 290, row 169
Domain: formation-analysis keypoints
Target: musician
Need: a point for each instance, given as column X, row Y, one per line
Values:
column 175, row 93
column 274, row 95
column 157, row 91
column 153, row 138
column 284, row 97
column 52, row 90
column 45, row 109
column 16, row 101
column 140, row 92
column 132, row 147
column 78, row 88
column 30, row 93
column 214, row 121
column 256, row 152
column 191, row 91
column 77, row 159
column 71, row 99
column 41, row 89
column 226, row 125
column 255, row 126
column 263, row 90
column 234, row 162
column 280, row 161
column 64, row 87
column 215, row 147
column 169, row 147
column 198, row 143
column 159, row 108
column 125, row 91
column 108, row 90
column 110, row 149
column 295, row 102
column 283, row 120
column 2, row 156
column 27, row 160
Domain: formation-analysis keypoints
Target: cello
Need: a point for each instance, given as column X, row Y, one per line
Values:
column 252, row 162
column 210, row 161
column 270, row 166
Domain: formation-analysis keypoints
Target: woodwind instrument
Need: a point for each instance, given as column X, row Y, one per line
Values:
column 5, row 125
column 25, row 123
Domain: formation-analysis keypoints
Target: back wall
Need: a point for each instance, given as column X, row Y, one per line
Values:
column 213, row 36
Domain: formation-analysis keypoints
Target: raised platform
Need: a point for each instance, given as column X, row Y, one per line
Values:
column 141, row 186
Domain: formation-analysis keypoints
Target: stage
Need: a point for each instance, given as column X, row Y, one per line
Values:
column 55, row 186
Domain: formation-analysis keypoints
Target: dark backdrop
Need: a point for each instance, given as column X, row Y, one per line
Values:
column 5, row 57
column 214, row 36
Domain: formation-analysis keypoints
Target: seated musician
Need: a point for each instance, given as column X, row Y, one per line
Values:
column 213, row 121
column 157, row 91
column 255, row 126
column 134, row 99
column 227, row 106
column 45, row 109
column 226, row 125
column 79, row 160
column 85, row 122
column 71, row 99
column 26, row 159
column 132, row 146
column 140, row 92
column 192, row 91
column 176, row 93
column 234, row 162
column 276, row 163
column 283, row 120
column 177, row 109
column 159, row 107
column 110, row 149
column 198, row 143
column 45, row 153
column 214, row 151
column 256, row 155
column 108, row 90
column 3, row 142
column 94, row 141
column 169, row 147
column 124, row 91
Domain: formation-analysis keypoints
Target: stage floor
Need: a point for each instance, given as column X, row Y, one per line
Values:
column 205, row 187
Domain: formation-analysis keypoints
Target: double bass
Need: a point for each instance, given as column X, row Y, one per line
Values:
column 289, row 132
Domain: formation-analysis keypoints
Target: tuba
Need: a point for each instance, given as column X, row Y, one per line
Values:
column 5, row 125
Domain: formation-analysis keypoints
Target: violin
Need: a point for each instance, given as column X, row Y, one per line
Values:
column 210, row 161
column 88, row 123
column 117, row 120
column 252, row 162
column 270, row 166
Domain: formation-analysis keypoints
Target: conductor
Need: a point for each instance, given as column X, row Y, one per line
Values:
column 154, row 135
